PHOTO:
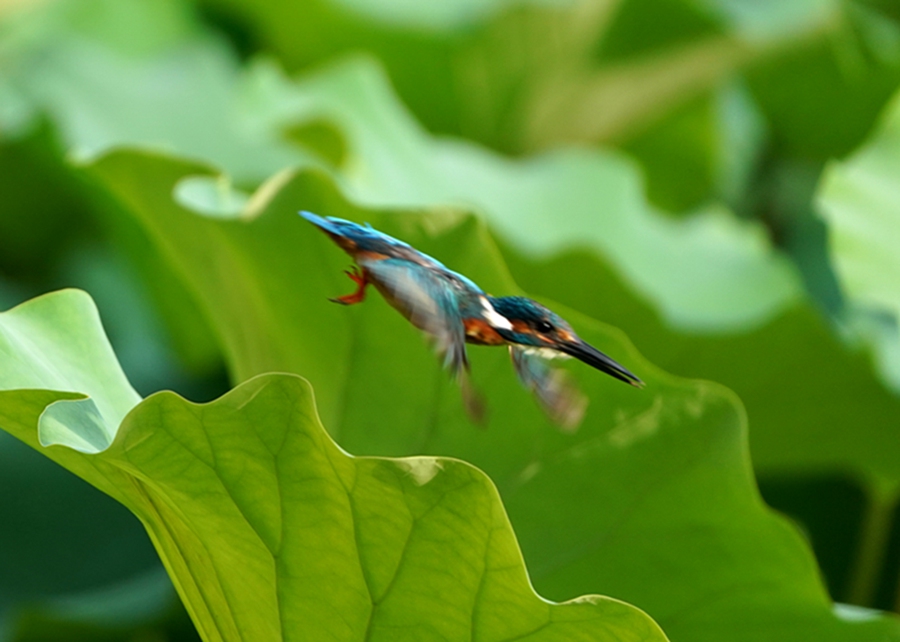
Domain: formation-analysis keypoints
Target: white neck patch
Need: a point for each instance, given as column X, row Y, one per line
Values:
column 493, row 317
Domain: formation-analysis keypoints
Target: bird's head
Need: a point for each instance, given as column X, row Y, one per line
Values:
column 533, row 326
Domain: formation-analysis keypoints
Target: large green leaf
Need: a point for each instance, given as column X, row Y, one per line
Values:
column 269, row 530
column 652, row 501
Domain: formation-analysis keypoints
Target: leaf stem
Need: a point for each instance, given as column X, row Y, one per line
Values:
column 873, row 542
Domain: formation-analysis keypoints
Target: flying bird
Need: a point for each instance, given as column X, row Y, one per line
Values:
column 453, row 311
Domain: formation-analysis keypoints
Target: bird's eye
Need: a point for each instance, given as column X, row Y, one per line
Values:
column 543, row 327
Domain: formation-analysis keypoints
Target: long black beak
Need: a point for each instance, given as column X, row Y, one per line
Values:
column 596, row 359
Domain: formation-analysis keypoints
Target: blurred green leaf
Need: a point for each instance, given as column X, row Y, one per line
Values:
column 858, row 199
column 182, row 92
column 458, row 74
column 39, row 198
column 135, row 608
column 53, row 587
column 710, row 147
column 640, row 27
column 103, row 545
column 431, row 17
column 653, row 501
column 107, row 73
column 823, row 96
column 269, row 529
column 818, row 70
column 134, row 322
column 771, row 19
column 706, row 272
column 525, row 75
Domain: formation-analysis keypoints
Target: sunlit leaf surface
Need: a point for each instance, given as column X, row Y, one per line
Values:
column 268, row 529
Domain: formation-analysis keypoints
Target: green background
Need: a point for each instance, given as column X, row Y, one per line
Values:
column 714, row 181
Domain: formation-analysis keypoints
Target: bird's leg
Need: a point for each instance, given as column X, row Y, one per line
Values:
column 359, row 277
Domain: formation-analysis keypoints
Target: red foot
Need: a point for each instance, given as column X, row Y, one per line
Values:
column 359, row 277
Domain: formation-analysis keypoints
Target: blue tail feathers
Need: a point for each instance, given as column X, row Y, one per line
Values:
column 338, row 225
column 365, row 235
column 326, row 224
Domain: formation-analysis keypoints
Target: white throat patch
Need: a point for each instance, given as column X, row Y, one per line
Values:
column 545, row 353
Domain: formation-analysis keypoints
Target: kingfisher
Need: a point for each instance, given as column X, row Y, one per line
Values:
column 452, row 310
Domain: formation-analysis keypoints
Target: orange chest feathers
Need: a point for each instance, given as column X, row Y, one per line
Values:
column 479, row 332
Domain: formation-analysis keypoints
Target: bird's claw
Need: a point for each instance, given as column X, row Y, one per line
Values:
column 356, row 275
column 359, row 277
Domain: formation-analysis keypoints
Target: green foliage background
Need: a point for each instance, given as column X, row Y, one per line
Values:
column 715, row 179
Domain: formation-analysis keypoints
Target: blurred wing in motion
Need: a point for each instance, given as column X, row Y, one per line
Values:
column 559, row 398
column 423, row 297
column 431, row 302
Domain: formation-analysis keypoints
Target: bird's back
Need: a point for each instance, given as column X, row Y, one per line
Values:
column 366, row 243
